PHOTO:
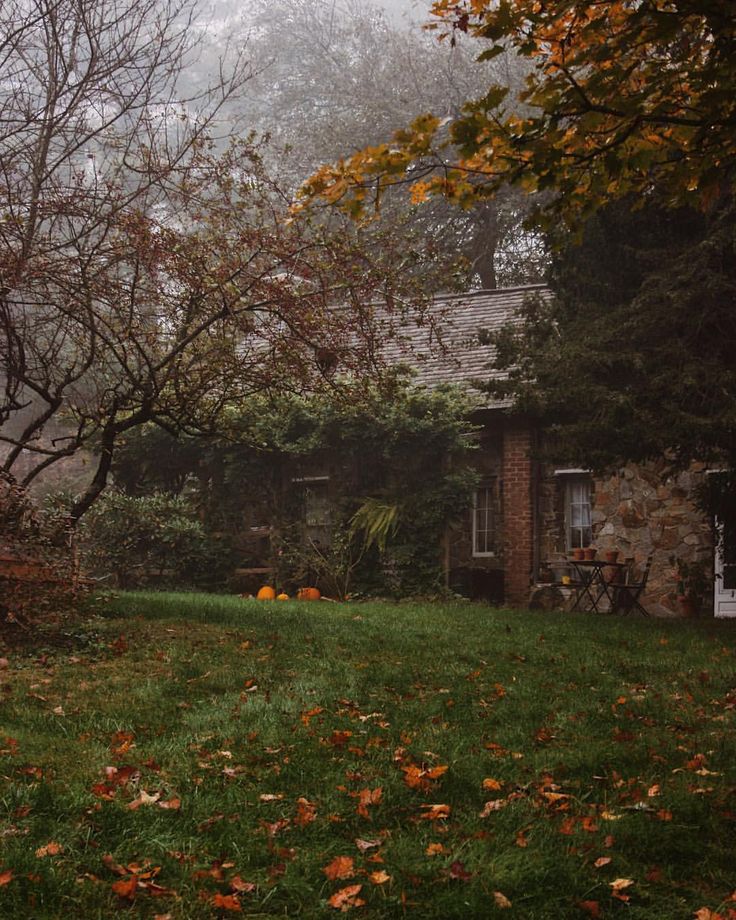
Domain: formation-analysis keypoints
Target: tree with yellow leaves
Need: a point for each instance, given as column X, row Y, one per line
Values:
column 622, row 98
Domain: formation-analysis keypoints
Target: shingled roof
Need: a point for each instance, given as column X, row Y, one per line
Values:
column 452, row 346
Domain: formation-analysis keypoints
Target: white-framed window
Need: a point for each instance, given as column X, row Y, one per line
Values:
column 578, row 526
column 485, row 519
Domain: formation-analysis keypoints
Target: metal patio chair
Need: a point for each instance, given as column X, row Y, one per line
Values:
column 626, row 596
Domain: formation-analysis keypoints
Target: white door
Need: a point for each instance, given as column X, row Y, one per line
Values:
column 725, row 577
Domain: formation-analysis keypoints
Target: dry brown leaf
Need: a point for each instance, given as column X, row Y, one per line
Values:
column 340, row 867
column 492, row 784
column 436, row 812
column 52, row 848
column 347, row 898
column 365, row 845
column 125, row 888
column 226, row 902
column 502, row 902
column 380, row 877
column 602, row 861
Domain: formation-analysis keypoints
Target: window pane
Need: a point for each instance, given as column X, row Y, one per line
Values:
column 484, row 524
column 578, row 513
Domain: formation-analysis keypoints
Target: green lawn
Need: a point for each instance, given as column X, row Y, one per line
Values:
column 194, row 756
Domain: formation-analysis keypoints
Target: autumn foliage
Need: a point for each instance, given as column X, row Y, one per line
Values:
column 621, row 97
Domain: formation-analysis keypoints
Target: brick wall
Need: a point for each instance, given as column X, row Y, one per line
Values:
column 518, row 513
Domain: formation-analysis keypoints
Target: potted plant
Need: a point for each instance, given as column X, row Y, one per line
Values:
column 692, row 583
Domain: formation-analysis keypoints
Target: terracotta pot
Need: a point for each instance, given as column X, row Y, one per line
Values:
column 688, row 605
column 589, row 553
column 611, row 555
column 578, row 554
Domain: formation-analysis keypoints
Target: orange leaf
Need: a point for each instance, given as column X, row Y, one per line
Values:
column 6, row 876
column 340, row 867
column 434, row 849
column 368, row 797
column 51, row 849
column 602, row 861
column 226, row 902
column 436, row 812
column 125, row 888
column 238, row 885
column 306, row 812
column 618, row 886
column 492, row 784
column 379, row 878
column 346, row 898
column 502, row 902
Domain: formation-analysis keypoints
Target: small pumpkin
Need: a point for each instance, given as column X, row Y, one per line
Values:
column 308, row 594
column 282, row 597
column 266, row 593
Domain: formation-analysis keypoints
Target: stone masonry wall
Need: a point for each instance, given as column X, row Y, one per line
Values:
column 641, row 511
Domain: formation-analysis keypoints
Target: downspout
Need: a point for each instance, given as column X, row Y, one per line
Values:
column 535, row 480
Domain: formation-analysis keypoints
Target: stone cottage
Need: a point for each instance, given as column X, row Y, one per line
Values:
column 525, row 514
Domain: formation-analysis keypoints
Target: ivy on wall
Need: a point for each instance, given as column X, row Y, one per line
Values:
column 406, row 450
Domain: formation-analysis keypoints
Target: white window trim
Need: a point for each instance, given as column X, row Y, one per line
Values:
column 477, row 554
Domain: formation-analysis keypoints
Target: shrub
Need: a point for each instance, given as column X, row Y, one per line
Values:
column 152, row 539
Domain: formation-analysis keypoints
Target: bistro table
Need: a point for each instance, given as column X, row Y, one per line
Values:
column 591, row 585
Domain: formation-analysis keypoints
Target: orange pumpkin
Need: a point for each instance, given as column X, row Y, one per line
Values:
column 266, row 593
column 282, row 597
column 308, row 594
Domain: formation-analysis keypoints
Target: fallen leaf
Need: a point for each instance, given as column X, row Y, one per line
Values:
column 51, row 849
column 125, row 888
column 346, row 898
column 591, row 908
column 6, row 876
column 226, row 902
column 492, row 784
column 368, row 797
column 306, row 812
column 434, row 849
column 618, row 886
column 436, row 812
column 365, row 845
column 270, row 797
column 459, row 872
column 240, row 886
column 494, row 805
column 602, row 861
column 144, row 799
column 380, row 877
column 502, row 902
column 340, row 867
